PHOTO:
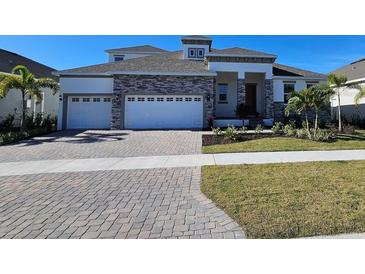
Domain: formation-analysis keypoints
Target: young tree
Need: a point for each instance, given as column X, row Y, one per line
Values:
column 360, row 95
column 300, row 102
column 338, row 82
column 24, row 81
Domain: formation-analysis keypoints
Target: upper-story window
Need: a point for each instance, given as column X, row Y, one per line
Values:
column 288, row 89
column 196, row 52
column 222, row 92
column 192, row 52
column 118, row 58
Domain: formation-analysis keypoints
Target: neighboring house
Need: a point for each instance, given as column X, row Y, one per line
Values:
column 12, row 103
column 146, row 87
column 355, row 73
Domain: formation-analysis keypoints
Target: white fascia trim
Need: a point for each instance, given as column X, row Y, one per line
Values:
column 240, row 55
column 297, row 78
column 57, row 73
column 356, row 81
column 209, row 73
column 132, row 52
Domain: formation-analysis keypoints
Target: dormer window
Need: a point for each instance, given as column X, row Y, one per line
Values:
column 192, row 53
column 118, row 58
column 200, row 53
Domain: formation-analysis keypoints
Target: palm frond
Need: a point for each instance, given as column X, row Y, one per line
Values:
column 360, row 95
column 9, row 82
column 47, row 83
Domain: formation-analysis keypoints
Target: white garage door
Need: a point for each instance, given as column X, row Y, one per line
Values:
column 159, row 112
column 89, row 112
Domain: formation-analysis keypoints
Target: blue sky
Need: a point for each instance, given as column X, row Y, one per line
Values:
column 317, row 53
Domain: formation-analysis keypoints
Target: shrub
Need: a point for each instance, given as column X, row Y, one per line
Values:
column 289, row 130
column 217, row 131
column 302, row 133
column 231, row 133
column 259, row 129
column 277, row 128
column 49, row 122
column 321, row 135
column 8, row 123
column 37, row 120
column 242, row 130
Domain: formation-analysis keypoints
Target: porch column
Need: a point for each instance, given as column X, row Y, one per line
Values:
column 269, row 98
column 241, row 91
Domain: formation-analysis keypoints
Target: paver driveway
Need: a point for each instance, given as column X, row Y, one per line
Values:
column 155, row 203
column 103, row 144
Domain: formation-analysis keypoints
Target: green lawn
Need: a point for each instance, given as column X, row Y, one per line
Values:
column 289, row 144
column 290, row 200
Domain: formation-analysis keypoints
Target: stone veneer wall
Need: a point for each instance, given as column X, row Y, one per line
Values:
column 161, row 84
column 241, row 91
column 269, row 98
column 279, row 111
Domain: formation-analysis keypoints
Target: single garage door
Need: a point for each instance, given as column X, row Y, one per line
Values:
column 159, row 112
column 89, row 112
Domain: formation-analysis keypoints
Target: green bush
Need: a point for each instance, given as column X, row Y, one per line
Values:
column 230, row 133
column 13, row 136
column 49, row 122
column 321, row 135
column 217, row 131
column 277, row 128
column 259, row 129
column 302, row 133
column 242, row 130
column 8, row 123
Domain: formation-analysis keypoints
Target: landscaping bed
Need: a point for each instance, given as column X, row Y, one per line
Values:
column 290, row 200
column 14, row 136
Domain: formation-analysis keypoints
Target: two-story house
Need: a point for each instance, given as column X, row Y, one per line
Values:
column 150, row 88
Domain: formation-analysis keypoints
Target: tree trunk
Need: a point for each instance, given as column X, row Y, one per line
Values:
column 339, row 112
column 24, row 108
column 316, row 121
column 307, row 124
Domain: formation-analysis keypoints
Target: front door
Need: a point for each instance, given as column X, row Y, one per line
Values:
column 251, row 99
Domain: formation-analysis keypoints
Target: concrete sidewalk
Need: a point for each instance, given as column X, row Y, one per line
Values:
column 128, row 163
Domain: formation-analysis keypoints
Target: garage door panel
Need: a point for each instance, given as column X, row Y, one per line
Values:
column 89, row 112
column 158, row 112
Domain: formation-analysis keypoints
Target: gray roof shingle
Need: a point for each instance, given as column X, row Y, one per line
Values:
column 282, row 70
column 240, row 51
column 8, row 60
column 196, row 37
column 170, row 62
column 353, row 71
column 138, row 49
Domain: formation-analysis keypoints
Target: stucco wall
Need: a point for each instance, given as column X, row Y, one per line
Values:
column 227, row 109
column 242, row 68
column 154, row 84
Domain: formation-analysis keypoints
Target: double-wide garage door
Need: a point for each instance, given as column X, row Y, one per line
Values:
column 89, row 112
column 163, row 111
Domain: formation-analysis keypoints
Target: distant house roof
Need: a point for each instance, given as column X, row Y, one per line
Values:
column 165, row 63
column 353, row 71
column 236, row 51
column 8, row 60
column 138, row 49
column 196, row 37
column 281, row 70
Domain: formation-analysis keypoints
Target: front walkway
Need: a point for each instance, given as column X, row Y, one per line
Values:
column 173, row 161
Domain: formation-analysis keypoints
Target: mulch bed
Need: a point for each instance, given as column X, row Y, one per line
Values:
column 208, row 140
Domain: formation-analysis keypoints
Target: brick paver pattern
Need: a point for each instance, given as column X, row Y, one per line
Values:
column 156, row 203
column 102, row 144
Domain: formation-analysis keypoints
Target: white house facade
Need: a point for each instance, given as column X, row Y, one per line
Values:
column 12, row 103
column 355, row 73
column 149, row 88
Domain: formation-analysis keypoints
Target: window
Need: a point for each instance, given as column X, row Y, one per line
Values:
column 288, row 89
column 169, row 99
column 150, row 99
column 179, row 99
column 86, row 100
column 200, row 53
column 222, row 89
column 192, row 53
column 118, row 58
column 108, row 100
column 95, row 100
column 197, row 99
column 160, row 99
column 140, row 99
column 75, row 99
column 188, row 99
column 311, row 84
column 130, row 99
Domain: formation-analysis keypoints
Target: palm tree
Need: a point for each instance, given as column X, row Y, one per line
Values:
column 360, row 95
column 320, row 98
column 300, row 102
column 23, row 80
